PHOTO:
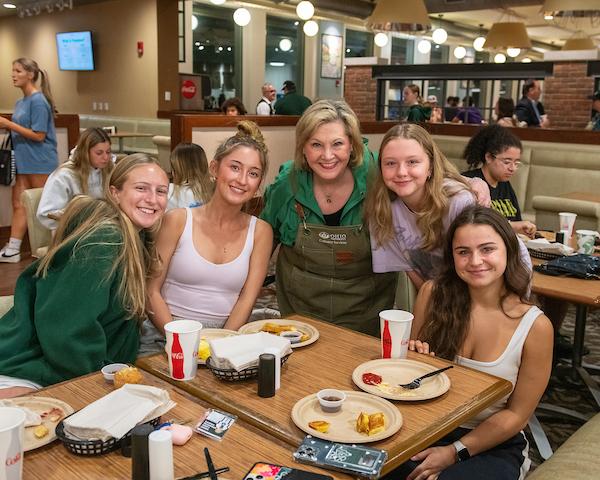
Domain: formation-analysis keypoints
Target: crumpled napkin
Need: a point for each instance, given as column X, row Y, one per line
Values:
column 242, row 351
column 118, row 412
column 543, row 245
column 32, row 419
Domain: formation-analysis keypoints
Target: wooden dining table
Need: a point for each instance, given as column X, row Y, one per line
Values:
column 242, row 446
column 329, row 363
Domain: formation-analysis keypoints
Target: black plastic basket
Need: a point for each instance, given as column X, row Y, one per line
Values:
column 232, row 375
column 94, row 447
column 544, row 255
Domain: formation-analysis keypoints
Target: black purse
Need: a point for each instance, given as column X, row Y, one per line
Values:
column 7, row 162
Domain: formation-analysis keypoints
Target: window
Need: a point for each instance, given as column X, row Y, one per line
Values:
column 402, row 51
column 284, row 52
column 359, row 44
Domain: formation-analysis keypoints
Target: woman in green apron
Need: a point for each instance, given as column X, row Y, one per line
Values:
column 315, row 208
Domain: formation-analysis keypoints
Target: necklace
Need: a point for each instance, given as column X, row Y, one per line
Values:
column 328, row 197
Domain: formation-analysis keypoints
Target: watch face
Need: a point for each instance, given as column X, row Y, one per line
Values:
column 463, row 454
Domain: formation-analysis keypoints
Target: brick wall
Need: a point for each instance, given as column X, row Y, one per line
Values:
column 360, row 91
column 565, row 95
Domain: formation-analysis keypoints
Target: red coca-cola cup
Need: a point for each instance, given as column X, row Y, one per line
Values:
column 395, row 333
column 183, row 337
column 12, row 429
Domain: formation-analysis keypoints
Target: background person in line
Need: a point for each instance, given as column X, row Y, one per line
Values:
column 233, row 106
column 477, row 314
column 529, row 109
column 191, row 185
column 86, row 173
column 315, row 206
column 265, row 104
column 34, row 143
column 215, row 257
column 100, row 258
column 505, row 112
column 292, row 103
column 411, row 98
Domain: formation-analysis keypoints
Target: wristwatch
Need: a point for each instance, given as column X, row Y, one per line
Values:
column 462, row 453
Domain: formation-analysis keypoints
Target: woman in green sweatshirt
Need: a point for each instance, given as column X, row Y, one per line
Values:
column 79, row 307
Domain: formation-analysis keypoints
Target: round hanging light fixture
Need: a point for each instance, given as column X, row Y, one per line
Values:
column 285, row 44
column 217, row 2
column 439, row 35
column 478, row 44
column 526, row 60
column 242, row 17
column 194, row 22
column 499, row 58
column 460, row 52
column 305, row 10
column 513, row 52
column 424, row 46
column 381, row 39
column 311, row 28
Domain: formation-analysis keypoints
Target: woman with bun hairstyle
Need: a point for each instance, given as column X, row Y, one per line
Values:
column 34, row 144
column 477, row 313
column 215, row 257
column 494, row 155
column 191, row 185
column 80, row 307
column 86, row 173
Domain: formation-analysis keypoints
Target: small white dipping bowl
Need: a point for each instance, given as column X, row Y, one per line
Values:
column 109, row 370
column 293, row 337
column 331, row 399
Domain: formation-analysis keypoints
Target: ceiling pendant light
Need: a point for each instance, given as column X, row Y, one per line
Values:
column 424, row 46
column 513, row 52
column 396, row 16
column 381, row 39
column 242, row 17
column 460, row 52
column 439, row 35
column 305, row 10
column 217, row 2
column 579, row 41
column 499, row 58
column 311, row 28
column 285, row 44
column 526, row 60
column 480, row 40
column 507, row 34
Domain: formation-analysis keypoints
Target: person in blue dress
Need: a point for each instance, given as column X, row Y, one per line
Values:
column 34, row 144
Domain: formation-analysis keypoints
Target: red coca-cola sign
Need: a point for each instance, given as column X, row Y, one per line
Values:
column 386, row 341
column 188, row 89
column 177, row 358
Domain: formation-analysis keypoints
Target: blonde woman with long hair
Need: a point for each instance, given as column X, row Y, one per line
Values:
column 86, row 173
column 34, row 144
column 215, row 257
column 80, row 307
column 191, row 185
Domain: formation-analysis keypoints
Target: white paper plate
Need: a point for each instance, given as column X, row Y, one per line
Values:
column 304, row 328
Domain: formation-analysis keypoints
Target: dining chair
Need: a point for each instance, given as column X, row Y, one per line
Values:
column 39, row 236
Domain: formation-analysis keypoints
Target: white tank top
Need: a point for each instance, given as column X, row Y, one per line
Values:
column 196, row 289
column 505, row 366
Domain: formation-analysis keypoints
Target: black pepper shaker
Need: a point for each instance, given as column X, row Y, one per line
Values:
column 140, row 469
column 266, row 375
column 560, row 237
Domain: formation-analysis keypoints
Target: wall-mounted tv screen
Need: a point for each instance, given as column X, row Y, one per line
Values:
column 75, row 51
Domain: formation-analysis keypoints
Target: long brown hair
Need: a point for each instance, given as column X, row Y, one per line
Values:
column 137, row 259
column 31, row 66
column 190, row 167
column 80, row 163
column 378, row 211
column 447, row 316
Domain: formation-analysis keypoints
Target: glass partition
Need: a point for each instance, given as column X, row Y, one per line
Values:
column 284, row 52
column 358, row 44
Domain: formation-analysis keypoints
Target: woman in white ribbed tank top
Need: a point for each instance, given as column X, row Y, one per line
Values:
column 215, row 257
column 482, row 319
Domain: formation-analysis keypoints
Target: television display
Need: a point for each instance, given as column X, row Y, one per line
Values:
column 75, row 51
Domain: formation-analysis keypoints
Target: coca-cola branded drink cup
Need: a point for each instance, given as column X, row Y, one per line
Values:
column 183, row 337
column 566, row 221
column 12, row 429
column 395, row 333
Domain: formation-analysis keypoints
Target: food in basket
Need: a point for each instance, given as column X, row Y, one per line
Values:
column 40, row 431
column 277, row 329
column 203, row 349
column 127, row 375
column 319, row 425
column 370, row 424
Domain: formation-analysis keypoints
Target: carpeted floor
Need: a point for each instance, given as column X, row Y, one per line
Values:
column 564, row 389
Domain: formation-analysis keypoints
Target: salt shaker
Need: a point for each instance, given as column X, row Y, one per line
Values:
column 266, row 375
column 139, row 452
column 160, row 449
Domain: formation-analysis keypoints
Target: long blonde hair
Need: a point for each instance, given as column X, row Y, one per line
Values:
column 31, row 66
column 137, row 259
column 190, row 167
column 378, row 211
column 320, row 113
column 80, row 163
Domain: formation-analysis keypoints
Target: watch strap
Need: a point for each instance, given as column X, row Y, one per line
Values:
column 462, row 453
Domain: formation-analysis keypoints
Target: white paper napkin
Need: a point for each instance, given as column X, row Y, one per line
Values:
column 543, row 245
column 242, row 351
column 118, row 412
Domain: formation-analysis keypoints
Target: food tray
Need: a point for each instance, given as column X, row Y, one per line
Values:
column 544, row 255
column 93, row 447
column 232, row 375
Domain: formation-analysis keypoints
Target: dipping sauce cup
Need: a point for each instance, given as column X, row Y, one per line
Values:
column 331, row 400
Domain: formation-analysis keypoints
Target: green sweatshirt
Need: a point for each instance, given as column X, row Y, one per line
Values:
column 293, row 186
column 73, row 321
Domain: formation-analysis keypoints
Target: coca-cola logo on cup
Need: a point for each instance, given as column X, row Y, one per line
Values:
column 14, row 460
column 188, row 89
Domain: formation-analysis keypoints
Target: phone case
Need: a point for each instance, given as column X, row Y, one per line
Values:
column 268, row 471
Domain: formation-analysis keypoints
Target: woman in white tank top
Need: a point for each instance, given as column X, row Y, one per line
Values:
column 215, row 257
column 482, row 319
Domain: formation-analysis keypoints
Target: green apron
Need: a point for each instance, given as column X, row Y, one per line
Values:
column 328, row 275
